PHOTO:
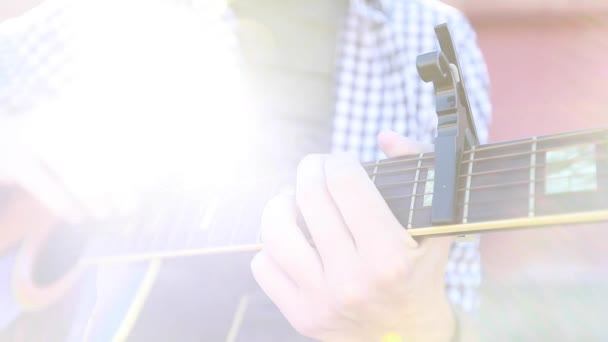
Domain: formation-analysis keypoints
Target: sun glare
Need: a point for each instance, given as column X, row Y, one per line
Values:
column 156, row 95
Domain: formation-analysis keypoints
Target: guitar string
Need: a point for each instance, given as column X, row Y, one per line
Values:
column 499, row 199
column 536, row 180
column 147, row 248
column 488, row 148
column 493, row 186
column 418, row 209
column 406, row 209
column 491, row 172
column 460, row 189
column 389, row 186
column 504, row 145
column 536, row 166
column 476, row 160
column 485, row 173
column 537, row 151
column 399, row 160
column 485, row 202
column 538, row 139
column 178, row 211
column 596, row 157
column 413, row 159
column 461, row 203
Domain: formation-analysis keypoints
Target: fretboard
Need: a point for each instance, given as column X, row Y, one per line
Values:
column 530, row 178
column 531, row 182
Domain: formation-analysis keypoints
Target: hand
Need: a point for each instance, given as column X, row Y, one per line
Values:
column 365, row 278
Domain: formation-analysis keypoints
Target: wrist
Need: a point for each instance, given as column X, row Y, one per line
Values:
column 440, row 328
column 436, row 323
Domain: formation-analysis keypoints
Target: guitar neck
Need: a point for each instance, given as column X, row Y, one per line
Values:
column 558, row 179
column 557, row 175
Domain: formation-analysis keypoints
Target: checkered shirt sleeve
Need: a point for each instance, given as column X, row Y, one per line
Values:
column 378, row 87
column 35, row 52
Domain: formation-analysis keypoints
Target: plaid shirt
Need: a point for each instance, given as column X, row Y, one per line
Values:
column 377, row 85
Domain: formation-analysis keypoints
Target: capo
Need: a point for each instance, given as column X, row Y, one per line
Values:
column 455, row 128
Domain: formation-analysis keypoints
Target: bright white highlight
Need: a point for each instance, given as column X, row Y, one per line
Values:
column 157, row 97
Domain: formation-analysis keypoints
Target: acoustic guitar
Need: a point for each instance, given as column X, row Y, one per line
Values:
column 461, row 188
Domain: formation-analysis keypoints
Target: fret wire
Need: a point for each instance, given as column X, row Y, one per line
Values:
column 465, row 210
column 487, row 217
column 400, row 197
column 143, row 238
column 382, row 173
column 538, row 180
column 567, row 161
column 404, row 210
column 397, row 184
column 369, row 164
column 532, row 199
column 576, row 159
column 375, row 172
column 420, row 209
column 491, row 172
column 194, row 234
column 429, row 157
column 184, row 226
column 604, row 157
column 410, row 218
column 236, row 225
column 400, row 211
column 150, row 235
column 207, row 224
column 180, row 213
column 522, row 198
column 398, row 160
column 497, row 200
column 497, row 171
column 209, row 215
column 539, row 139
column 598, row 142
column 215, row 199
column 258, row 238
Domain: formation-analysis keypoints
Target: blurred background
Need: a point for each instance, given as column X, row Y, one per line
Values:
column 547, row 63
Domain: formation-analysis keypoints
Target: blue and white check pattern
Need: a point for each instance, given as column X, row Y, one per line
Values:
column 378, row 86
column 35, row 54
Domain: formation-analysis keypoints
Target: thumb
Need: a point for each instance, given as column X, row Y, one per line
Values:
column 395, row 145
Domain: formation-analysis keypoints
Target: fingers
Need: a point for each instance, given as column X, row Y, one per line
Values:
column 395, row 145
column 365, row 212
column 286, row 244
column 327, row 229
column 274, row 282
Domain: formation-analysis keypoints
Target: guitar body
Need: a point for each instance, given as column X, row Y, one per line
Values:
column 553, row 180
column 35, row 276
column 463, row 188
